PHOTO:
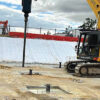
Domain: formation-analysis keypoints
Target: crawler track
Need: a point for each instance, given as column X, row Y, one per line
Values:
column 83, row 68
column 88, row 69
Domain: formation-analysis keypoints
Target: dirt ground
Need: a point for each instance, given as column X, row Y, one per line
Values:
column 6, row 35
column 14, row 82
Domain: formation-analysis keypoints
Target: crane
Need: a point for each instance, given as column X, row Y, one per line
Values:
column 88, row 52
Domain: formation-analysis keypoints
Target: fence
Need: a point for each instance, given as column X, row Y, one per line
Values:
column 42, row 36
column 36, row 30
column 42, row 33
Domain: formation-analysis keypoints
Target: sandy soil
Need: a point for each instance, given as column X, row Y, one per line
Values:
column 13, row 82
column 6, row 35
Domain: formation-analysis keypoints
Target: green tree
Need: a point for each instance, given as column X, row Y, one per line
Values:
column 89, row 24
column 68, row 31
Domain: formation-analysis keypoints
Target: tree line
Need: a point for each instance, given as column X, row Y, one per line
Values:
column 89, row 24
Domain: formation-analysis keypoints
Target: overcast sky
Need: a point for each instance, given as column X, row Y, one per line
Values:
column 47, row 13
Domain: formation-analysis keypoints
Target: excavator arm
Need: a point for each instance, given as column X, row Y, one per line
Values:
column 95, row 5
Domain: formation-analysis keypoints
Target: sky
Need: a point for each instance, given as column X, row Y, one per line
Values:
column 47, row 13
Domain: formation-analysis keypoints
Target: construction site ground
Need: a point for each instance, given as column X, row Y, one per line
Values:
column 14, row 82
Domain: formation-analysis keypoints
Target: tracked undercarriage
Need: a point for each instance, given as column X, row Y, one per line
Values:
column 83, row 68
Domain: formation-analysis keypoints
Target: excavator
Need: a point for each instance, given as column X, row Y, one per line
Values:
column 88, row 51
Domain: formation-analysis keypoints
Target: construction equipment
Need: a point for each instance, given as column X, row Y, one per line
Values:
column 89, row 50
column 4, row 27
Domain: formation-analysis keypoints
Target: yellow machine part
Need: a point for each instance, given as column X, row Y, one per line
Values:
column 95, row 5
column 99, row 56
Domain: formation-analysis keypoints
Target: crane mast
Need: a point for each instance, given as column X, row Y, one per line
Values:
column 95, row 5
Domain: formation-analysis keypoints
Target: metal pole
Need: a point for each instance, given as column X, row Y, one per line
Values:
column 30, row 72
column 24, row 46
column 40, row 30
column 55, row 31
column 9, row 29
column 59, row 64
column 48, row 87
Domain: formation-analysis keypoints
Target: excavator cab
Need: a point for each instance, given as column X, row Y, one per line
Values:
column 89, row 48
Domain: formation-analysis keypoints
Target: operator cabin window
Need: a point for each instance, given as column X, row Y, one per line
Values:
column 92, row 44
column 86, row 40
column 92, row 40
column 99, row 40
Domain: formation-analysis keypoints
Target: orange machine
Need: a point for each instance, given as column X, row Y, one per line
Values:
column 4, row 28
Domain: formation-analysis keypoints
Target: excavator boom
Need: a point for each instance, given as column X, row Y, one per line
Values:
column 95, row 5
